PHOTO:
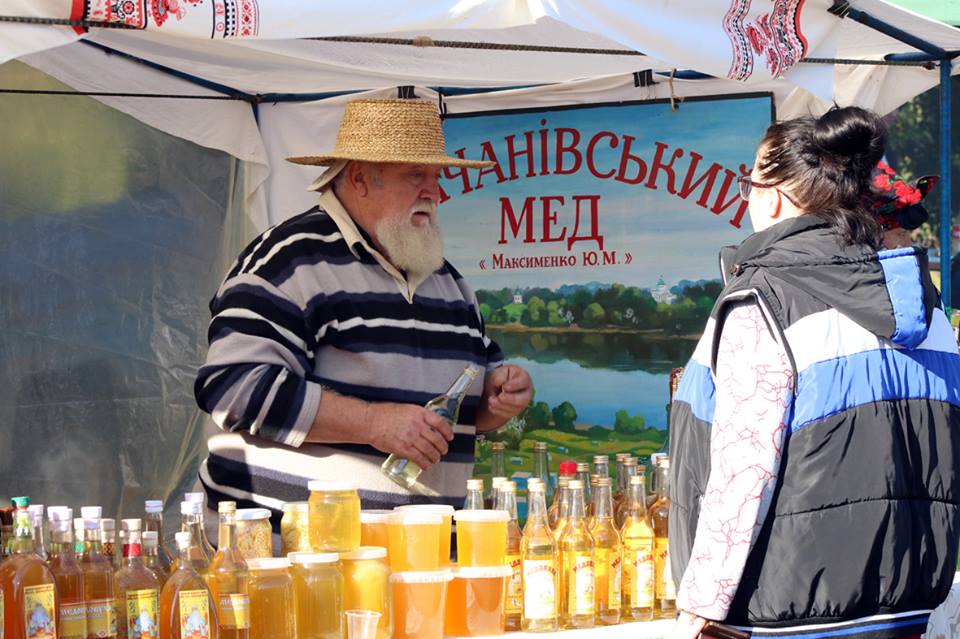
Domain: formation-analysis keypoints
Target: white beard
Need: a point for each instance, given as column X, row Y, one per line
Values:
column 418, row 250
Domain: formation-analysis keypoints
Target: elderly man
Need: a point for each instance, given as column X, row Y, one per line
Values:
column 335, row 327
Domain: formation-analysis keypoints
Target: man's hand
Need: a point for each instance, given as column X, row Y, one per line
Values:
column 409, row 431
column 506, row 391
column 687, row 626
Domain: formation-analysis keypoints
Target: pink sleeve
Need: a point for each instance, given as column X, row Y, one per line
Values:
column 754, row 393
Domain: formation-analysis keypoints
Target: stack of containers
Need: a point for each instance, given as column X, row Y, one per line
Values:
column 333, row 513
column 419, row 575
column 476, row 596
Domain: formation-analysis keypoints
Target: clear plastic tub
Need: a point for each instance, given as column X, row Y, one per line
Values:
column 475, row 600
column 419, row 603
column 414, row 540
column 446, row 512
column 366, row 584
column 373, row 527
column 481, row 537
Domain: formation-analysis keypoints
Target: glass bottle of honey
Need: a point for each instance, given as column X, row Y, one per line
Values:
column 538, row 552
column 108, row 542
column 228, row 578
column 607, row 555
column 474, row 499
column 630, row 469
column 28, row 590
column 201, row 540
column 577, row 577
column 637, row 538
column 553, row 514
column 151, row 557
column 98, row 584
column 665, row 594
column 513, row 600
column 191, row 513
column 66, row 569
column 187, row 610
column 138, row 589
column 153, row 521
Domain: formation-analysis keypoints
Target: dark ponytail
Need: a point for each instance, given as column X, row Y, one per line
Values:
column 824, row 164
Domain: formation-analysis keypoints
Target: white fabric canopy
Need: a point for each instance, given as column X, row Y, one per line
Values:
column 265, row 54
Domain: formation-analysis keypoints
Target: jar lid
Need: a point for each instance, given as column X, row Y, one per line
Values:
column 191, row 507
column 374, row 516
column 441, row 509
column 268, row 563
column 482, row 572
column 414, row 518
column 330, row 486
column 365, row 552
column 481, row 515
column 309, row 558
column 296, row 506
column 425, row 577
column 153, row 506
column 251, row 514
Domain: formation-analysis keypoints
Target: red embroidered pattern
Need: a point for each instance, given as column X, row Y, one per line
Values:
column 775, row 35
column 235, row 18
column 754, row 392
column 129, row 12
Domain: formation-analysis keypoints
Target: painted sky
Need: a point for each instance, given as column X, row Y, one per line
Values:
column 665, row 234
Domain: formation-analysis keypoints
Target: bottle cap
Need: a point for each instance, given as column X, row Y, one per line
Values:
column 59, row 513
column 630, row 461
column 252, row 514
column 21, row 502
column 191, row 508
column 507, row 486
column 330, row 486
column 496, row 481
column 197, row 497
column 91, row 512
column 150, row 538
column 153, row 506
column 563, row 481
column 183, row 538
column 309, row 558
column 474, row 484
column 36, row 510
column 583, row 467
column 296, row 507
column 621, row 456
column 497, row 446
column 130, row 524
column 539, row 446
column 535, row 486
column 568, row 468
column 575, row 484
column 636, row 480
column 604, row 481
column 365, row 552
column 227, row 507
column 108, row 524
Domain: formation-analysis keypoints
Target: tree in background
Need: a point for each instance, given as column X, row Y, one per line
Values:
column 565, row 417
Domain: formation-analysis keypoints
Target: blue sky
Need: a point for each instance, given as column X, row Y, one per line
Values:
column 664, row 233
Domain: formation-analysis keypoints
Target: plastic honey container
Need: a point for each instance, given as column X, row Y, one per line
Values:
column 318, row 588
column 414, row 540
column 418, row 603
column 481, row 537
column 475, row 601
column 446, row 513
column 334, row 516
column 272, row 599
column 373, row 527
column 366, row 585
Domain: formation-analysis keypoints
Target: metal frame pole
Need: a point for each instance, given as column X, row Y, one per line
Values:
column 946, row 190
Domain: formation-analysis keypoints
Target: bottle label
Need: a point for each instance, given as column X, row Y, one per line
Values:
column 665, row 588
column 582, row 586
column 514, row 600
column 234, row 612
column 614, row 575
column 101, row 618
column 641, row 577
column 73, row 621
column 195, row 614
column 143, row 614
column 539, row 589
column 39, row 612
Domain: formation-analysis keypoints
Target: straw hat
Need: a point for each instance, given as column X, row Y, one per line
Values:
column 405, row 131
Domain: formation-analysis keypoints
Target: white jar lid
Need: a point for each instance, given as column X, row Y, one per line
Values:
column 365, row 552
column 424, row 577
column 197, row 497
column 252, row 514
column 308, row 558
column 191, row 508
column 482, row 572
column 91, row 512
column 374, row 516
column 481, row 515
column 268, row 563
column 296, row 506
column 414, row 518
column 441, row 509
column 153, row 506
column 330, row 486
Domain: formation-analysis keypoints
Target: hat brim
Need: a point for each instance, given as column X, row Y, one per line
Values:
column 434, row 160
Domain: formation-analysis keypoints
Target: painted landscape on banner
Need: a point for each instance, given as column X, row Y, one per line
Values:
column 592, row 245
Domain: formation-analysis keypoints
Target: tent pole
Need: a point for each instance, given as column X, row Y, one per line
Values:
column 946, row 189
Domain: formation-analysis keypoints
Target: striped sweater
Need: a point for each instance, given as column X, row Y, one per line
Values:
column 308, row 305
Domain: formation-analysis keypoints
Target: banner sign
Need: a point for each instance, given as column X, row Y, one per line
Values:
column 592, row 245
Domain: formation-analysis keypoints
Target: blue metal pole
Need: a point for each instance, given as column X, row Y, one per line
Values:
column 946, row 199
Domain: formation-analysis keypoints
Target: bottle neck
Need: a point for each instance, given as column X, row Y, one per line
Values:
column 194, row 524
column 540, row 465
column 227, row 535
column 577, row 510
column 498, row 464
column 602, row 469
column 153, row 521
column 22, row 532
column 474, row 500
column 133, row 548
column 565, row 497
column 61, row 542
column 603, row 502
column 536, row 505
column 508, row 502
column 458, row 389
column 184, row 554
column 638, row 500
column 663, row 482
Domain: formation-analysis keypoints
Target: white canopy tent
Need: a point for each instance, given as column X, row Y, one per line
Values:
column 277, row 85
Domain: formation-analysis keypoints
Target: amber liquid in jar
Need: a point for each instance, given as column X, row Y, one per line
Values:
column 318, row 589
column 272, row 601
column 334, row 516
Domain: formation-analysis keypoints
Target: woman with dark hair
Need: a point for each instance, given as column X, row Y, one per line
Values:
column 816, row 431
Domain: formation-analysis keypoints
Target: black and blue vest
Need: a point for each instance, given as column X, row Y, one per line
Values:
column 861, row 537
